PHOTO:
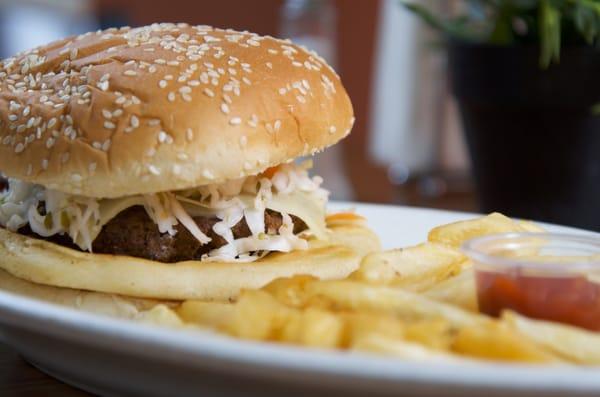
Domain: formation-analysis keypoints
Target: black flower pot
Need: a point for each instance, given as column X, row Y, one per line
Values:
column 533, row 139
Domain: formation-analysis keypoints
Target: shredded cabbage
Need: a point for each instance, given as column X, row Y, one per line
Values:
column 288, row 189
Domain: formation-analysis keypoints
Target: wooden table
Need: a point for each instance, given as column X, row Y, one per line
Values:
column 19, row 378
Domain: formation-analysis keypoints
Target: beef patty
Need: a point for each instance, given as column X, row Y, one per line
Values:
column 133, row 233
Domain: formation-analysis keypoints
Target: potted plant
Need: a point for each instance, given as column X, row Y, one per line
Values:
column 526, row 75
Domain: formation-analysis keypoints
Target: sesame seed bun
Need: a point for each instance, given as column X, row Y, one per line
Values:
column 163, row 107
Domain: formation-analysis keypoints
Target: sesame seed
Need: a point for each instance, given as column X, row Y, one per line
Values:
column 50, row 142
column 153, row 170
column 235, row 121
column 171, row 97
column 109, row 125
column 277, row 125
column 135, row 122
column 208, row 92
column 282, row 91
column 332, row 129
column 106, row 114
column 105, row 77
column 301, row 99
column 189, row 134
column 185, row 89
column 162, row 83
column 269, row 65
column 207, row 174
column 153, row 122
column 117, row 113
column 106, row 145
column 19, row 148
column 120, row 100
column 224, row 108
column 12, row 117
column 26, row 111
column 162, row 136
column 51, row 122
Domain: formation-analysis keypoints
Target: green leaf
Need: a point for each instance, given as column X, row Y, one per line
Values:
column 455, row 27
column 550, row 33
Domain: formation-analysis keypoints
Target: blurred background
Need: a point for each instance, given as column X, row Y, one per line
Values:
column 407, row 146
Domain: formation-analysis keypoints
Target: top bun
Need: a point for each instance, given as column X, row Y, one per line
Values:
column 163, row 107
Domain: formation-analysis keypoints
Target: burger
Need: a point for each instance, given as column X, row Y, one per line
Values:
column 170, row 161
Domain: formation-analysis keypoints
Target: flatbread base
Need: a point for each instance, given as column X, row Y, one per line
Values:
column 46, row 263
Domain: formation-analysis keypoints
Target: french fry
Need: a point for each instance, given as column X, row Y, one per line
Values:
column 495, row 341
column 455, row 234
column 435, row 334
column 403, row 349
column 358, row 325
column 351, row 295
column 314, row 328
column 290, row 291
column 459, row 291
column 160, row 314
column 215, row 315
column 415, row 268
column 573, row 343
column 258, row 316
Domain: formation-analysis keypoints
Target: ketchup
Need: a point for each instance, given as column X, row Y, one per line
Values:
column 571, row 299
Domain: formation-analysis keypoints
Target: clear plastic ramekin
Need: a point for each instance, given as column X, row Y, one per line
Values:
column 550, row 276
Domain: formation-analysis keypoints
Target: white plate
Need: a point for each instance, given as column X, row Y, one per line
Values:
column 115, row 357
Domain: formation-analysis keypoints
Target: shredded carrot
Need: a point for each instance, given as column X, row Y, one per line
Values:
column 344, row 216
column 269, row 172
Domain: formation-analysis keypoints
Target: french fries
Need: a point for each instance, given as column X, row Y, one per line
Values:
column 402, row 349
column 418, row 303
column 455, row 234
column 458, row 291
column 574, row 344
column 415, row 268
column 495, row 341
column 351, row 295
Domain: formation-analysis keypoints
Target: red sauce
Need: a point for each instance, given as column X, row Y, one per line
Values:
column 571, row 299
